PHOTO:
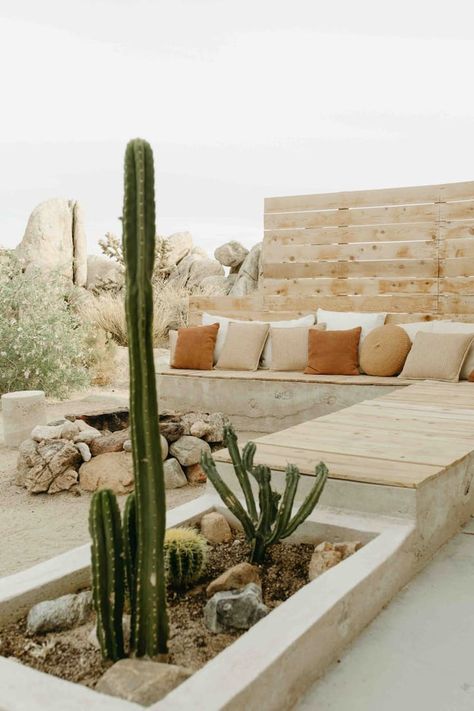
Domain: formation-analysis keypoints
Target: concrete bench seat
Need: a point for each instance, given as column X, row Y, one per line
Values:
column 264, row 400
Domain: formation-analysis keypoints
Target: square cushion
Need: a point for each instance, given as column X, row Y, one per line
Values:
column 413, row 328
column 194, row 349
column 437, row 356
column 223, row 322
column 458, row 327
column 344, row 320
column 334, row 352
column 290, row 347
column 243, row 346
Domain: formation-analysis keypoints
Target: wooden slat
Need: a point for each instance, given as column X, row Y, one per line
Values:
column 349, row 235
column 369, row 198
column 463, row 266
column 384, row 302
column 457, row 210
column 340, row 287
column 456, row 230
column 356, row 216
column 456, row 248
column 457, row 285
column 456, row 304
column 367, row 251
column 384, row 268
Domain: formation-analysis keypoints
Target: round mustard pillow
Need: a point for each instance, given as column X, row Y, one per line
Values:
column 384, row 350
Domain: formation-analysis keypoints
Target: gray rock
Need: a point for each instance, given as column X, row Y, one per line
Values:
column 141, row 681
column 87, row 435
column 249, row 273
column 103, row 272
column 127, row 445
column 64, row 613
column 214, row 425
column 231, row 254
column 69, row 430
column 235, row 609
column 55, row 240
column 53, row 467
column 84, row 451
column 179, row 246
column 174, row 474
column 199, row 429
column 187, row 450
column 42, row 433
column 215, row 285
column 202, row 268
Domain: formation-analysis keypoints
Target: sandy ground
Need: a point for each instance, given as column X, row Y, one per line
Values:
column 36, row 527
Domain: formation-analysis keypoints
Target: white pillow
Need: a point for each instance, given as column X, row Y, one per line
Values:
column 266, row 359
column 345, row 320
column 413, row 328
column 458, row 327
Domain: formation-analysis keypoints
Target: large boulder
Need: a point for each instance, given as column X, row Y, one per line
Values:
column 249, row 272
column 216, row 284
column 55, row 240
column 231, row 254
column 179, row 246
column 103, row 273
column 50, row 466
column 203, row 268
column 112, row 470
column 188, row 450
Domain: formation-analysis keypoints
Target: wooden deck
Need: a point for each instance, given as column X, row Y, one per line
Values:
column 401, row 439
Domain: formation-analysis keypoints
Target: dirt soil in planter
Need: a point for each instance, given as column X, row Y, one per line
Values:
column 70, row 655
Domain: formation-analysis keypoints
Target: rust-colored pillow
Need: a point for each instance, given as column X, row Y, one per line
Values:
column 195, row 347
column 334, row 352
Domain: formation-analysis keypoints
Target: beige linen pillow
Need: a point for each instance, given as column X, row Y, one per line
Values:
column 243, row 346
column 458, row 327
column 437, row 356
column 290, row 347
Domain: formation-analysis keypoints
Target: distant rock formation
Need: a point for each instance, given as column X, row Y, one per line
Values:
column 55, row 240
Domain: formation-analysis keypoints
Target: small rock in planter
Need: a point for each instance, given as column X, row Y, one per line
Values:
column 215, row 528
column 64, row 613
column 112, row 470
column 347, row 548
column 141, row 681
column 127, row 445
column 42, row 433
column 187, row 450
column 84, row 451
column 174, row 475
column 195, row 474
column 235, row 578
column 235, row 609
column 87, row 435
column 112, row 442
column 325, row 556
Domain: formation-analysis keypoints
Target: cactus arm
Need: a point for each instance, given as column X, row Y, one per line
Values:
column 286, row 504
column 231, row 442
column 248, row 455
column 227, row 496
column 130, row 546
column 107, row 573
column 267, row 512
column 310, row 501
column 151, row 623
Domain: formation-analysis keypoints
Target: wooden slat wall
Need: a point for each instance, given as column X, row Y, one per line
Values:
column 407, row 251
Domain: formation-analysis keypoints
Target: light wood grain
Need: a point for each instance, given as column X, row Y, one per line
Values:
column 345, row 287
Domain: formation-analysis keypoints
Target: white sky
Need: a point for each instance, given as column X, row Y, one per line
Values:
column 239, row 98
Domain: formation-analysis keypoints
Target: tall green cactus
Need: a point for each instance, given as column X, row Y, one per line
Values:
column 107, row 572
column 273, row 520
column 150, row 635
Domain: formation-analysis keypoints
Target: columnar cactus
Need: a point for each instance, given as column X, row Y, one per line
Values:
column 107, row 572
column 142, row 540
column 150, row 634
column 185, row 555
column 273, row 519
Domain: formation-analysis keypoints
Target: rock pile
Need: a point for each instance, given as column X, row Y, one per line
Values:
column 93, row 451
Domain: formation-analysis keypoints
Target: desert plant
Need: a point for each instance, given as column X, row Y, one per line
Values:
column 273, row 519
column 111, row 247
column 43, row 346
column 144, row 546
column 107, row 572
column 185, row 555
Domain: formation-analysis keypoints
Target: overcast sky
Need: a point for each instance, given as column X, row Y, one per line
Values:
column 239, row 98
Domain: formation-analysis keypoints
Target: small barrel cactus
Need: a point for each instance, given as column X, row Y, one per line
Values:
column 185, row 556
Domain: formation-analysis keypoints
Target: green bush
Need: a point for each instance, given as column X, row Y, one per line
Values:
column 42, row 341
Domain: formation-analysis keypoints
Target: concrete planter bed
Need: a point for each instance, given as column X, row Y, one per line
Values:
column 269, row 665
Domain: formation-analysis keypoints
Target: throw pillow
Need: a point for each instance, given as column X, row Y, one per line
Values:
column 344, row 320
column 458, row 327
column 334, row 352
column 243, row 346
column 437, row 356
column 383, row 352
column 290, row 347
column 194, row 348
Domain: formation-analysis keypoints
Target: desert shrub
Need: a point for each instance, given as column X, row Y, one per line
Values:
column 42, row 340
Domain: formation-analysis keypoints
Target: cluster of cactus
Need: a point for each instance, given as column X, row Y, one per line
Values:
column 185, row 556
column 273, row 518
column 129, row 556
